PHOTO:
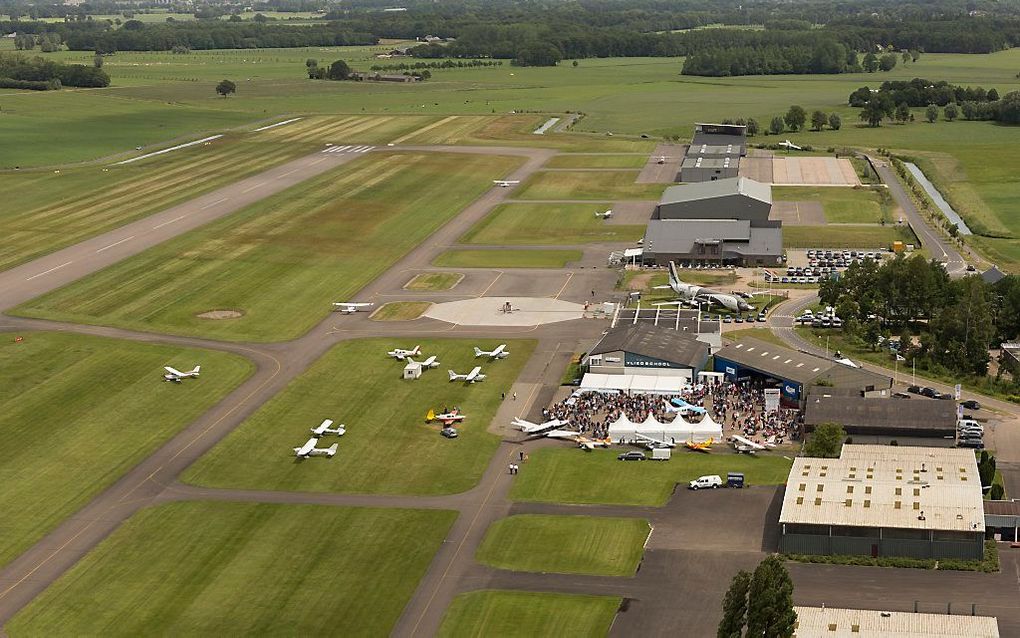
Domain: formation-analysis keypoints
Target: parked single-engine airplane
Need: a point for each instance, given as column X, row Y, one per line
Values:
column 401, row 354
column 499, row 352
column 677, row 404
column 651, row 442
column 324, row 428
column 175, row 375
column 605, row 215
column 582, row 441
column 309, row 449
column 535, row 428
column 690, row 292
column 741, row 444
column 350, row 308
column 427, row 363
column 704, row 446
column 470, row 377
column 447, row 418
column 506, row 183
column 790, row 146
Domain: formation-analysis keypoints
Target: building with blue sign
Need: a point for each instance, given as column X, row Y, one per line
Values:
column 647, row 349
column 793, row 372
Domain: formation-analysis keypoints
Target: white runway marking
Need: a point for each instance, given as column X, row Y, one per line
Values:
column 172, row 148
column 360, row 148
column 116, row 243
column 218, row 201
column 266, row 128
column 286, row 174
column 251, row 188
column 167, row 223
column 46, row 272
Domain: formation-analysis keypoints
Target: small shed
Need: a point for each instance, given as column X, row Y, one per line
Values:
column 412, row 370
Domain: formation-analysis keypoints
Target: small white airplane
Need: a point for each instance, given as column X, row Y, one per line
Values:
column 693, row 293
column 605, row 215
column 470, row 377
column 679, row 405
column 401, row 354
column 581, row 440
column 745, row 445
column 506, row 183
column 309, row 449
column 652, row 443
column 430, row 362
column 499, row 352
column 349, row 308
column 175, row 375
column 534, row 428
column 323, row 428
column 790, row 146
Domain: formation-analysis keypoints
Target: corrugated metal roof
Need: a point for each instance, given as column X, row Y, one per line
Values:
column 1003, row 508
column 815, row 622
column 922, row 414
column 800, row 367
column 654, row 341
column 730, row 186
column 887, row 486
column 678, row 236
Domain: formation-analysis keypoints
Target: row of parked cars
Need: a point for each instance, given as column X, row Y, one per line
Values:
column 825, row 319
column 970, row 433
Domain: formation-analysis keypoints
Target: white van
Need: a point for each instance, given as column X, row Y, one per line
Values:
column 702, row 482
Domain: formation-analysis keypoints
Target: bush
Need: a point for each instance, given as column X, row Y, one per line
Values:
column 989, row 564
column 31, row 85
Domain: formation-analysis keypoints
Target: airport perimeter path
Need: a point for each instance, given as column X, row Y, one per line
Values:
column 155, row 478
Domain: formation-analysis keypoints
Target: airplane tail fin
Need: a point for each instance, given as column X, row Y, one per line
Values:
column 453, row 375
column 332, row 449
column 674, row 278
column 196, row 370
column 478, row 351
column 431, row 416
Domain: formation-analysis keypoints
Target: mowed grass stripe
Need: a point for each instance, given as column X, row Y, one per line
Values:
column 548, row 224
column 232, row 569
column 605, row 185
column 388, row 447
column 76, row 412
column 283, row 260
column 601, row 546
column 502, row 614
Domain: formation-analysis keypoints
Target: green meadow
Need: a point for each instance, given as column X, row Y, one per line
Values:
column 77, row 412
column 501, row 614
column 548, row 224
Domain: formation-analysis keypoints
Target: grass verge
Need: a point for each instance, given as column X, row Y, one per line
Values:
column 548, row 224
column 500, row 614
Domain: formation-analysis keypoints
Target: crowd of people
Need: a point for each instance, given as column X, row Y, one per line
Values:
column 738, row 407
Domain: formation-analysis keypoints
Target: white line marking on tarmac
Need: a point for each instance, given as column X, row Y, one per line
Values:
column 167, row 150
column 266, row 128
column 46, row 272
column 218, row 201
column 286, row 174
column 251, row 188
column 321, row 159
column 116, row 243
column 167, row 223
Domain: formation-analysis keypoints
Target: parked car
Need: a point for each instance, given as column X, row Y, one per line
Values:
column 450, row 433
column 702, row 482
column 727, row 319
column 900, row 395
column 976, row 444
column 931, row 393
column 971, row 404
column 631, row 456
column 945, row 396
column 914, row 389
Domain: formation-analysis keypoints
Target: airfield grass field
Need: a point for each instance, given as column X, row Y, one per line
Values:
column 599, row 186
column 77, row 412
column 841, row 205
column 434, row 281
column 400, row 311
column 204, row 568
column 548, row 224
column 388, row 447
column 846, row 236
column 463, row 258
column 567, row 475
column 500, row 614
column 597, row 545
column 283, row 260
column 577, row 160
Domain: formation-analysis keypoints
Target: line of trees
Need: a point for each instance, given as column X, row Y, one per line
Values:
column 920, row 92
column 881, row 105
column 445, row 64
column 36, row 73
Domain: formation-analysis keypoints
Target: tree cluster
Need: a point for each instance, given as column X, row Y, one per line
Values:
column 920, row 92
column 759, row 604
column 47, row 74
column 445, row 64
column 826, row 441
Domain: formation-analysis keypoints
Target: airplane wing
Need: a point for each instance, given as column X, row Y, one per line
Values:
column 562, row 434
column 173, row 371
column 748, row 442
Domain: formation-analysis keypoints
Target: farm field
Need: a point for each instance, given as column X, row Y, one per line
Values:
column 841, row 205
column 565, row 475
column 47, row 210
column 241, row 568
column 498, row 614
column 282, row 261
column 463, row 258
column 604, row 186
column 388, row 447
column 77, row 412
column 598, row 545
column 434, row 281
column 846, row 236
column 552, row 224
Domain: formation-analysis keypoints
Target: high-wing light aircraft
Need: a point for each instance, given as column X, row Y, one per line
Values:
column 789, row 145
column 741, row 444
column 349, row 307
column 582, row 441
column 677, row 404
column 535, row 428
column 324, row 428
column 399, row 353
column 499, row 352
column 690, row 292
column 175, row 375
column 470, row 377
column 427, row 363
column 506, row 183
column 652, row 442
column 309, row 449
column 605, row 215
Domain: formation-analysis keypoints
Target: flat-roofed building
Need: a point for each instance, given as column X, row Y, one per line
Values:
column 885, row 500
column 929, row 418
column 647, row 349
column 833, row 622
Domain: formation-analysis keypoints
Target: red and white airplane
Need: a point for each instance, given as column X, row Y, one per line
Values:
column 401, row 354
column 446, row 418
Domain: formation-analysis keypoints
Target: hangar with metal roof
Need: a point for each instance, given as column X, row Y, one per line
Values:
column 921, row 417
column 646, row 349
column 794, row 371
column 885, row 500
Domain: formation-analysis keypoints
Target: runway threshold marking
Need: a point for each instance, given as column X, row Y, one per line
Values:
column 46, row 272
column 167, row 223
column 116, row 243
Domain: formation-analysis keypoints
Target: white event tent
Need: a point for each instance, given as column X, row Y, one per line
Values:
column 677, row 431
